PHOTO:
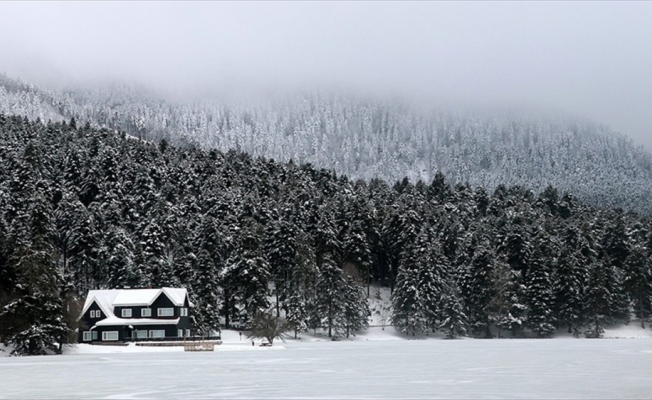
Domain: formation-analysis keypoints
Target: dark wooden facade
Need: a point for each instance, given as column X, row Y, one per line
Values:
column 128, row 332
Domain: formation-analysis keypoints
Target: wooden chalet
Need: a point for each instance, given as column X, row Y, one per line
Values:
column 123, row 315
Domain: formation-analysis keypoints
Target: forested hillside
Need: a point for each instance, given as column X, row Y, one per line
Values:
column 85, row 208
column 371, row 138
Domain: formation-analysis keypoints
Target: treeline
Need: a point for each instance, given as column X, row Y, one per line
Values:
column 366, row 138
column 84, row 208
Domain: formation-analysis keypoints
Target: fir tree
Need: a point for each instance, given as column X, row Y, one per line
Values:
column 478, row 289
column 638, row 282
column 539, row 293
column 454, row 322
column 356, row 307
column 330, row 298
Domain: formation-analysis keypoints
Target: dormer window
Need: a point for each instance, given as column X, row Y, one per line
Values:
column 146, row 312
column 92, row 313
column 126, row 313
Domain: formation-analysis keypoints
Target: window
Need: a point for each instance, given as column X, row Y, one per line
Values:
column 94, row 335
column 183, row 312
column 126, row 313
column 180, row 333
column 88, row 336
column 141, row 334
column 92, row 313
column 98, row 314
column 166, row 312
column 157, row 334
column 111, row 335
column 146, row 312
column 187, row 332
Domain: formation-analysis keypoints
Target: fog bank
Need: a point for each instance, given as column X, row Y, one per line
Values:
column 589, row 58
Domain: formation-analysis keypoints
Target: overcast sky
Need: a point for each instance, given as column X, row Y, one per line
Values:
column 589, row 58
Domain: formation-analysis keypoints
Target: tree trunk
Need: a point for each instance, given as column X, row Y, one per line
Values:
column 278, row 311
column 368, row 281
column 330, row 320
column 227, row 309
column 640, row 308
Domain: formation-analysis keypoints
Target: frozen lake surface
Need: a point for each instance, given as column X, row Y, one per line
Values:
column 565, row 368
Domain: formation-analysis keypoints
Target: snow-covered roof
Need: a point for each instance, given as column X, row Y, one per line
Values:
column 108, row 299
column 145, row 297
column 135, row 321
column 103, row 298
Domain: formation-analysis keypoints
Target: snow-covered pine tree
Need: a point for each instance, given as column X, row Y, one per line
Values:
column 453, row 320
column 246, row 276
column 478, row 288
column 117, row 255
column 33, row 319
column 638, row 282
column 302, row 286
column 279, row 246
column 598, row 299
column 356, row 307
column 505, row 308
column 418, row 287
column 569, row 290
column 539, row 295
column 330, row 300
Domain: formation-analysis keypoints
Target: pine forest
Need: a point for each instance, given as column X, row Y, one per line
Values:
column 84, row 207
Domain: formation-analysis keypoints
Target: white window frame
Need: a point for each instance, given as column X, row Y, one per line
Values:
column 187, row 332
column 94, row 335
column 180, row 332
column 160, row 312
column 87, row 336
column 98, row 314
column 141, row 334
column 126, row 313
column 92, row 313
column 145, row 312
column 183, row 312
column 108, row 335
column 156, row 334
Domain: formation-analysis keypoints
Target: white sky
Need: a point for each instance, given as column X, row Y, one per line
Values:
column 589, row 58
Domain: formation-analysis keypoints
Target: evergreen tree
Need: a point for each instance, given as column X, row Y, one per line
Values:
column 246, row 276
column 356, row 307
column 638, row 282
column 330, row 298
column 539, row 293
column 569, row 290
column 118, row 256
column 598, row 299
column 454, row 322
column 505, row 307
column 418, row 289
column 33, row 320
column 478, row 289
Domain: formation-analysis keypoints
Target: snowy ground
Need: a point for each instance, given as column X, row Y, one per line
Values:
column 350, row 369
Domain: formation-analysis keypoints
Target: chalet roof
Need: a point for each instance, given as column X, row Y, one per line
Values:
column 145, row 297
column 108, row 299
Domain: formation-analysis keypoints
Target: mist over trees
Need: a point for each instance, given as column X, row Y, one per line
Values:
column 86, row 208
column 367, row 138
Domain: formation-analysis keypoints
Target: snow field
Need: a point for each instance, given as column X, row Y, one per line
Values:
column 596, row 369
